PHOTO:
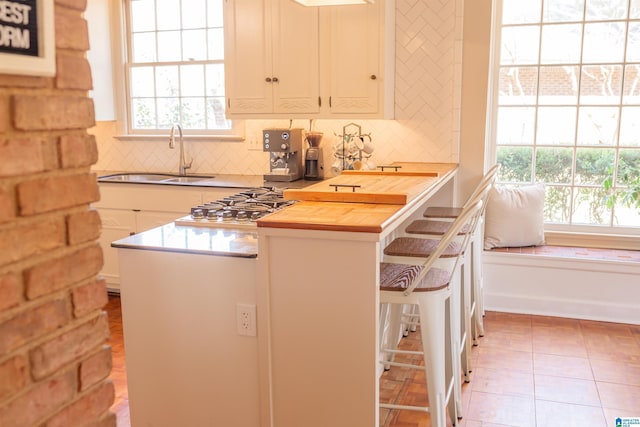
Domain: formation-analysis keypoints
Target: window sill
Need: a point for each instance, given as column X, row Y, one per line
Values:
column 584, row 240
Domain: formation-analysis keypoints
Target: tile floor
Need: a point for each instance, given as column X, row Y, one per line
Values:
column 527, row 371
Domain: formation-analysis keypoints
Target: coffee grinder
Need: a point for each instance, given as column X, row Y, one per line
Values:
column 313, row 163
column 285, row 153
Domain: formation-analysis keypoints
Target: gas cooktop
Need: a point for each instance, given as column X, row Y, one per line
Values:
column 240, row 210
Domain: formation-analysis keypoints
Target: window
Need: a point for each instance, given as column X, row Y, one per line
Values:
column 175, row 66
column 566, row 107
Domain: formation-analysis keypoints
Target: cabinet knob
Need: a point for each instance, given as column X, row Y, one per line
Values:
column 275, row 80
column 268, row 80
column 373, row 77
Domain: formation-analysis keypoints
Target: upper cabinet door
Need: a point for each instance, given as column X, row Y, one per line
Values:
column 248, row 60
column 354, row 59
column 296, row 59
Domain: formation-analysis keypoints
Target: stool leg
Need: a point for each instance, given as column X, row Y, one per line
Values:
column 432, row 329
column 477, row 246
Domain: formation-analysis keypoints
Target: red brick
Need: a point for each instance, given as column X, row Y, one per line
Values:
column 88, row 298
column 7, row 206
column 17, row 81
column 78, row 150
column 13, row 376
column 20, row 157
column 80, row 5
column 71, row 30
column 38, row 402
column 95, row 368
column 72, row 345
column 88, row 407
column 32, row 112
column 28, row 239
column 4, row 114
column 10, row 291
column 50, row 154
column 83, row 227
column 58, row 273
column 54, row 193
column 32, row 323
column 73, row 72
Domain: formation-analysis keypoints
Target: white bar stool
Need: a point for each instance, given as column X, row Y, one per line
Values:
column 436, row 292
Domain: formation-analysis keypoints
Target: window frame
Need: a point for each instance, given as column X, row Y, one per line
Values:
column 127, row 132
column 611, row 235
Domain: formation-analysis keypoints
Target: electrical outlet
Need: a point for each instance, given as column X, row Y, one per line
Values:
column 246, row 319
column 255, row 144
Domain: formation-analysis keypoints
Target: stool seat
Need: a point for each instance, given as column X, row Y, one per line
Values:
column 442, row 212
column 414, row 247
column 398, row 277
column 429, row 226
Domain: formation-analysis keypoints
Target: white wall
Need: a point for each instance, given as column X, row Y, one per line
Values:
column 426, row 128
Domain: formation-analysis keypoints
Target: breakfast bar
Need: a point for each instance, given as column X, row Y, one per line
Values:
column 317, row 293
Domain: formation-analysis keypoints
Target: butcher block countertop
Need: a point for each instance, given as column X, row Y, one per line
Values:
column 379, row 197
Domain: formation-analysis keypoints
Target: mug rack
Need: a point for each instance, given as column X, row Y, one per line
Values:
column 351, row 150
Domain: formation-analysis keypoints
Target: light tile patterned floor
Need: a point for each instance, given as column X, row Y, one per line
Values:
column 527, row 371
column 536, row 371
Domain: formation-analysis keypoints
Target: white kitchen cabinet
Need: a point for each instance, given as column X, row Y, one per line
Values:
column 283, row 60
column 358, row 57
column 271, row 58
column 126, row 209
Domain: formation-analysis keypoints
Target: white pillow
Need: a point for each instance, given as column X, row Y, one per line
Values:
column 515, row 217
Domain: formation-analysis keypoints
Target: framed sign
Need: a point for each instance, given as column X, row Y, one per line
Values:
column 27, row 37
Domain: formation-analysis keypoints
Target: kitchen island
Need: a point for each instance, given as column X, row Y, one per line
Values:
column 311, row 270
column 317, row 294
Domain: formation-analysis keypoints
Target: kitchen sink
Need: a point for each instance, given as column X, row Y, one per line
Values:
column 157, row 178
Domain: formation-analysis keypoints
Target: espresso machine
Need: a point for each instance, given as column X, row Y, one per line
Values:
column 285, row 153
column 313, row 163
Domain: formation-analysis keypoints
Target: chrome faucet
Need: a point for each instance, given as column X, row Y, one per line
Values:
column 182, row 169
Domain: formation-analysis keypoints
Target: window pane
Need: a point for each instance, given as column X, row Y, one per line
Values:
column 557, row 204
column 143, row 113
column 168, row 112
column 520, row 12
column 634, row 13
column 628, row 166
column 633, row 42
column 563, row 11
column 588, row 207
column 215, row 80
column 601, row 84
column 169, row 46
column 625, row 216
column 216, row 43
column 518, row 85
column 515, row 125
column 193, row 113
column 515, row 164
column 144, row 47
column 194, row 14
column 561, row 44
column 194, row 45
column 606, row 10
column 554, row 165
column 167, row 81
column 142, row 82
column 556, row 125
column 215, row 114
column 168, row 15
column 558, row 85
column 604, row 42
column 214, row 13
column 630, row 126
column 597, row 125
column 519, row 45
column 143, row 15
column 192, row 80
column 592, row 165
column 631, row 91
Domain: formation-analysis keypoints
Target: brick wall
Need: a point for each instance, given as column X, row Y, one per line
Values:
column 54, row 362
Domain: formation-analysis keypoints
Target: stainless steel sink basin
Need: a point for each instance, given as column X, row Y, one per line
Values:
column 157, row 178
